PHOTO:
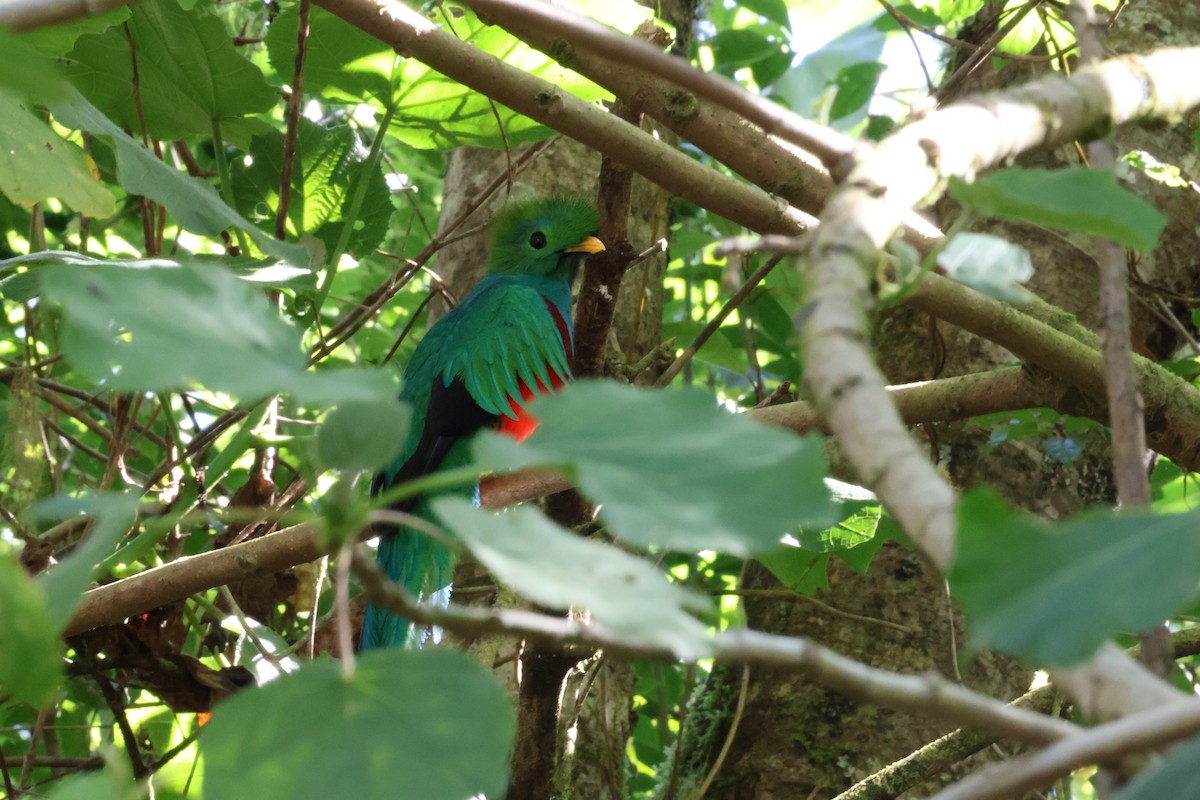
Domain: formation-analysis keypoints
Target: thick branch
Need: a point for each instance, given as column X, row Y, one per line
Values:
column 413, row 35
column 905, row 170
column 928, row 695
column 26, row 15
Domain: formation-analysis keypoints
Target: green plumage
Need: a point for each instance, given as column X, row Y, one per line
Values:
column 511, row 333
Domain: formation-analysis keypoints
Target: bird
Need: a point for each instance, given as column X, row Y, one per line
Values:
column 510, row 340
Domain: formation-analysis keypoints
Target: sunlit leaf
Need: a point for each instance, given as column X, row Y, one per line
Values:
column 559, row 569
column 193, row 203
column 36, row 163
column 219, row 334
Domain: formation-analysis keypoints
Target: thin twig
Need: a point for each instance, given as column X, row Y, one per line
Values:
column 733, row 302
column 292, row 130
column 728, row 743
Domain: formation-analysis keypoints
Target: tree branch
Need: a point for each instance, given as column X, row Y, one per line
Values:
column 27, row 15
column 907, row 169
column 929, row 695
column 1005, row 389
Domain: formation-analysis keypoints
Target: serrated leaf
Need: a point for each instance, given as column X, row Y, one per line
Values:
column 1175, row 776
column 558, row 569
column 1052, row 595
column 219, row 334
column 328, row 164
column 363, row 436
column 31, row 665
column 192, row 202
column 397, row 728
column 189, row 72
column 36, row 163
column 673, row 470
column 113, row 515
column 990, row 265
column 1076, row 199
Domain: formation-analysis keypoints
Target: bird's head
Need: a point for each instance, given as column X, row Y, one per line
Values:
column 544, row 236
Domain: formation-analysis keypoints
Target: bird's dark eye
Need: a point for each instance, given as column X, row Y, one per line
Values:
column 538, row 240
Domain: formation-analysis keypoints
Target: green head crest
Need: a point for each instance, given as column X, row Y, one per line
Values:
column 543, row 236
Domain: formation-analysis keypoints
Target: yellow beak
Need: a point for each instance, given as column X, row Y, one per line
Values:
column 589, row 245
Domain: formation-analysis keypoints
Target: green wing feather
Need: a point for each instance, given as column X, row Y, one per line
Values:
column 508, row 337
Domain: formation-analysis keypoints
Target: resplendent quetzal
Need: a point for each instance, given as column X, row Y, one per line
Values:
column 508, row 340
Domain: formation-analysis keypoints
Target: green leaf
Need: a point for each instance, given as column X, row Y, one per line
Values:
column 774, row 10
column 1076, row 199
column 192, row 202
column 265, row 272
column 188, row 72
column 1052, row 595
column 58, row 39
column 341, row 62
column 66, row 581
column 558, row 569
column 426, row 724
column 855, row 88
column 329, row 162
column 219, row 334
column 1172, row 490
column 363, row 436
column 958, row 10
column 26, row 71
column 990, row 265
column 1174, row 776
column 741, row 47
column 672, row 469
column 31, row 665
column 36, row 163
column 798, row 569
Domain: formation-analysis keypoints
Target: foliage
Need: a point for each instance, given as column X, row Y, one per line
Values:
column 177, row 378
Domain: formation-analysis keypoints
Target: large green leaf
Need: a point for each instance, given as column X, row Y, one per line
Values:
column 329, row 163
column 1078, row 199
column 188, row 72
column 36, row 163
column 65, row 582
column 363, row 436
column 219, row 333
column 559, row 569
column 407, row 725
column 672, row 469
column 1052, row 595
column 341, row 62
column 31, row 664
column 192, row 202
column 25, row 285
